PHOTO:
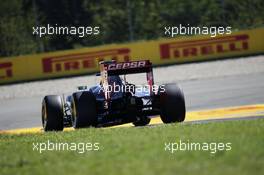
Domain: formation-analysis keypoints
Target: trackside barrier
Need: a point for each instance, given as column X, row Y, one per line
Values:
column 160, row 52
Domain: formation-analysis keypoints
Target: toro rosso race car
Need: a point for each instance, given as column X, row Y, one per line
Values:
column 114, row 101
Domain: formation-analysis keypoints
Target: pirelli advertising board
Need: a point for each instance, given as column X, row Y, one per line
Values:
column 160, row 52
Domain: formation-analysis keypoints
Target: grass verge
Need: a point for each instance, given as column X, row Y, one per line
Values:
column 139, row 150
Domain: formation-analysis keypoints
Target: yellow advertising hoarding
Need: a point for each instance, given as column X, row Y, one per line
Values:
column 160, row 52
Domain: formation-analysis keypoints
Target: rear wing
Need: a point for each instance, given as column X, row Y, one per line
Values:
column 123, row 68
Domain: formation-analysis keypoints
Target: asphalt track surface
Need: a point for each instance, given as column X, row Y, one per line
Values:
column 200, row 94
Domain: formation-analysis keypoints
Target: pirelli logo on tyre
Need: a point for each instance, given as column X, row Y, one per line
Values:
column 83, row 61
column 6, row 70
column 204, row 47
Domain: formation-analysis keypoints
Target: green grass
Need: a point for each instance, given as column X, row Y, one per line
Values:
column 140, row 150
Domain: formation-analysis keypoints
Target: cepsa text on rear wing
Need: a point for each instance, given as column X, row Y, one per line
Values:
column 131, row 67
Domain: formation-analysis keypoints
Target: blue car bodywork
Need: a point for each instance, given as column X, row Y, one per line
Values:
column 118, row 103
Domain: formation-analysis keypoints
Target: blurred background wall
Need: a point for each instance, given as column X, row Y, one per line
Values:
column 119, row 20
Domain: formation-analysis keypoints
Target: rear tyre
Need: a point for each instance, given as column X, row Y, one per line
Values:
column 143, row 121
column 172, row 104
column 83, row 110
column 52, row 113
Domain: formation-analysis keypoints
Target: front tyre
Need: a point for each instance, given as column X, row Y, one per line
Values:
column 172, row 104
column 83, row 109
column 52, row 113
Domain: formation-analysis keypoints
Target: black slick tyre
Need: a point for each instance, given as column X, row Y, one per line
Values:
column 172, row 104
column 52, row 113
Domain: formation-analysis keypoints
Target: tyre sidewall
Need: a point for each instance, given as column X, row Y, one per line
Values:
column 52, row 113
column 172, row 104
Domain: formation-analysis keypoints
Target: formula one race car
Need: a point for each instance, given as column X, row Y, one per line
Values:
column 114, row 101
